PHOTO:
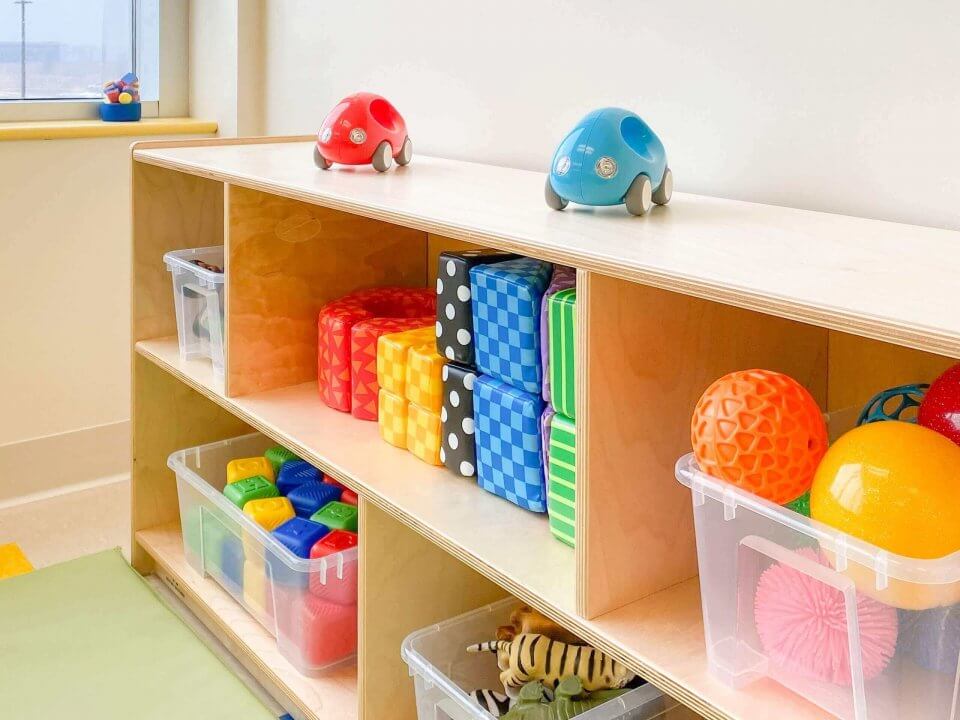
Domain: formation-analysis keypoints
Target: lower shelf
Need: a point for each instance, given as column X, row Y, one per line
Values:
column 334, row 695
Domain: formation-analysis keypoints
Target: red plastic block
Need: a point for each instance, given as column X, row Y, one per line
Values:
column 334, row 325
column 339, row 590
column 349, row 497
column 330, row 481
column 323, row 631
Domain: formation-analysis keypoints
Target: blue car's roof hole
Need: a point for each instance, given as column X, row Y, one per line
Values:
column 636, row 135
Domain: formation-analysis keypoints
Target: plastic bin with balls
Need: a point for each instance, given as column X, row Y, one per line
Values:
column 856, row 608
column 198, row 281
column 293, row 575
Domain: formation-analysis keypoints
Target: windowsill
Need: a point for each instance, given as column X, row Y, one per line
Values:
column 70, row 129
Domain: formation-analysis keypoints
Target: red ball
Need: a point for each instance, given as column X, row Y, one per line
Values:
column 940, row 408
column 762, row 431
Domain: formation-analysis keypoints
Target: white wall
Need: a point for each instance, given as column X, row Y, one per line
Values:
column 849, row 106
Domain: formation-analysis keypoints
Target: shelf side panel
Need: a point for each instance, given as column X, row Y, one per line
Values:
column 285, row 260
column 406, row 583
column 171, row 211
column 645, row 357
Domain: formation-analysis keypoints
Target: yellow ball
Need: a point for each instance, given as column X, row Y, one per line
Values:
column 125, row 98
column 895, row 485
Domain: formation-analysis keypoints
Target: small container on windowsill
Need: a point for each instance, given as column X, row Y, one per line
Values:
column 117, row 112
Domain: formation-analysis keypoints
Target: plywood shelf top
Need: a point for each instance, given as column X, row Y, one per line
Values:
column 660, row 636
column 511, row 546
column 889, row 281
column 332, row 695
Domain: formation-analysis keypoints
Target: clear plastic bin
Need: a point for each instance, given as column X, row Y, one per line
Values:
column 855, row 591
column 198, row 298
column 310, row 606
column 445, row 674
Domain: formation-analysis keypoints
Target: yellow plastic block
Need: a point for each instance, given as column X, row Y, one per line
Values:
column 392, row 352
column 255, row 589
column 423, row 434
column 13, row 562
column 244, row 468
column 424, row 380
column 392, row 418
column 268, row 513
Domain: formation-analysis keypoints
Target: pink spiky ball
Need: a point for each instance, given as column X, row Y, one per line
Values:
column 803, row 627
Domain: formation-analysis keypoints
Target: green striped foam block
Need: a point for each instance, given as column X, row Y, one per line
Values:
column 561, row 316
column 561, row 486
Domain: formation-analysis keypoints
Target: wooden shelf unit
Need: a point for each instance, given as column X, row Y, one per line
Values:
column 666, row 303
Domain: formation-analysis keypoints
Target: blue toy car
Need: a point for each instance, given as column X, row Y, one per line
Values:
column 610, row 157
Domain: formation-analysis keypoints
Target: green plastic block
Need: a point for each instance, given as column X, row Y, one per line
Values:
column 256, row 488
column 337, row 516
column 801, row 504
column 561, row 320
column 562, row 479
column 278, row 455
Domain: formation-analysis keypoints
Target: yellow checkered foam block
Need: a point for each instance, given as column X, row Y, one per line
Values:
column 392, row 418
column 423, row 434
column 392, row 356
column 424, row 377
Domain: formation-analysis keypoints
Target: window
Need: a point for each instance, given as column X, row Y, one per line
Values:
column 64, row 50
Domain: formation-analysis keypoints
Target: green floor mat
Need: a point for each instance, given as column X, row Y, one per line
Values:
column 89, row 640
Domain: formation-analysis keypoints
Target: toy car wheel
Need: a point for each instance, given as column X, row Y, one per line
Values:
column 319, row 160
column 382, row 157
column 663, row 193
column 553, row 200
column 639, row 197
column 406, row 152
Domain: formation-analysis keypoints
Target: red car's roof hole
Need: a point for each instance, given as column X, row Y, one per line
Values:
column 385, row 114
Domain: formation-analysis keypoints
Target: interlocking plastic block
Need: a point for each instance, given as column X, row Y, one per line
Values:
column 363, row 373
column 563, row 278
column 12, row 561
column 269, row 512
column 256, row 592
column 331, row 481
column 423, row 434
column 335, row 322
column 392, row 356
column 278, row 456
column 323, row 632
column 458, row 442
column 509, row 453
column 562, row 479
column 336, row 589
column 349, row 497
column 562, row 310
column 454, row 329
column 299, row 535
column 393, row 418
column 231, row 564
column 243, row 468
column 295, row 473
column 311, row 496
column 546, row 420
column 506, row 320
column 243, row 491
column 424, row 385
column 337, row 516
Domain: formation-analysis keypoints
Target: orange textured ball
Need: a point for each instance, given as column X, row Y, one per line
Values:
column 760, row 430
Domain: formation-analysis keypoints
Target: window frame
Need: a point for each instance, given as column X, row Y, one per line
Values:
column 173, row 79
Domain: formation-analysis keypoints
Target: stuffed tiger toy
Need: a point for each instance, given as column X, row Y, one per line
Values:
column 530, row 656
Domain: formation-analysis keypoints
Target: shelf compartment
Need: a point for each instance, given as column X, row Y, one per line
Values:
column 332, row 695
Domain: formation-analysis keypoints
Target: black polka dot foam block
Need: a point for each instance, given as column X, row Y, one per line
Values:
column 454, row 313
column 458, row 446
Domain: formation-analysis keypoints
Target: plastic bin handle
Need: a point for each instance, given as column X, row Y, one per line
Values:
column 830, row 577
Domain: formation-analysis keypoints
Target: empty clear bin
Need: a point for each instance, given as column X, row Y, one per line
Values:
column 445, row 674
column 198, row 298
column 861, row 632
column 310, row 606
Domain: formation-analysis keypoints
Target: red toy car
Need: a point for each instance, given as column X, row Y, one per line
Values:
column 363, row 128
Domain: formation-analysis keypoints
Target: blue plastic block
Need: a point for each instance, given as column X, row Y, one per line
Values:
column 299, row 535
column 231, row 563
column 311, row 496
column 296, row 472
column 506, row 320
column 509, row 444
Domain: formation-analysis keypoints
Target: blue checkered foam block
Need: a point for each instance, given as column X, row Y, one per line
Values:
column 506, row 320
column 509, row 454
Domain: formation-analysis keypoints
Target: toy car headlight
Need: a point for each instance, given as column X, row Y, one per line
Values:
column 563, row 165
column 326, row 134
column 606, row 167
column 358, row 136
